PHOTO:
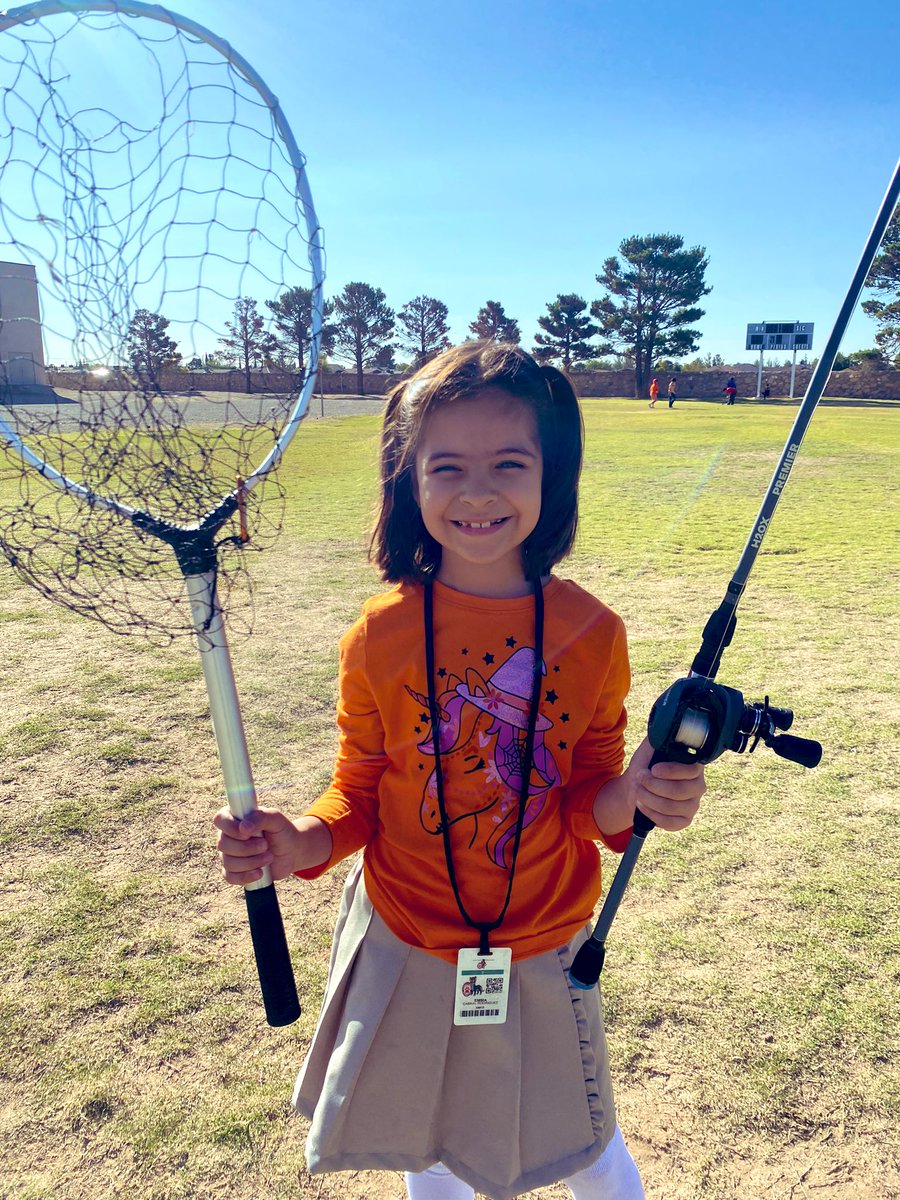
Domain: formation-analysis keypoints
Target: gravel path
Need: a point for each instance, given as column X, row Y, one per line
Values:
column 198, row 408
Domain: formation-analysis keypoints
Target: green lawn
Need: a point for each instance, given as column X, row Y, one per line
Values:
column 752, row 982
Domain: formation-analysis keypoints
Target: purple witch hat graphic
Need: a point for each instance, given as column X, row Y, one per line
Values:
column 506, row 695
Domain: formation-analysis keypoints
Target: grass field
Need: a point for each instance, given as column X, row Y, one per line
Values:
column 752, row 983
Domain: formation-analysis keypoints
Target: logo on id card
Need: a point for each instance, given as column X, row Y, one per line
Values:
column 482, row 987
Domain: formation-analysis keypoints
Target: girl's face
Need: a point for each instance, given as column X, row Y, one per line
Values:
column 478, row 484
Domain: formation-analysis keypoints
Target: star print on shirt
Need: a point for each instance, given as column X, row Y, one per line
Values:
column 564, row 717
column 488, row 659
column 563, row 745
column 551, row 697
column 442, row 671
column 511, row 642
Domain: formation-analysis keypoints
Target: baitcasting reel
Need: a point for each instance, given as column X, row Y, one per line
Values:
column 696, row 720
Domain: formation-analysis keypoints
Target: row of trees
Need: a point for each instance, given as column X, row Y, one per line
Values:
column 358, row 325
column 650, row 306
column 647, row 312
column 647, row 316
column 247, row 343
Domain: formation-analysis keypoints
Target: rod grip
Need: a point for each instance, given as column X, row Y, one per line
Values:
column 587, row 964
column 642, row 823
column 273, row 960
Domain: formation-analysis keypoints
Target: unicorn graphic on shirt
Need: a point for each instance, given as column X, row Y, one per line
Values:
column 482, row 728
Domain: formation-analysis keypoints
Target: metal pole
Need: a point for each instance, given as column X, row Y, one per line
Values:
column 273, row 961
column 793, row 371
column 759, row 372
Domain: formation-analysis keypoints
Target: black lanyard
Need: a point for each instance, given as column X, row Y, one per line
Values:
column 487, row 927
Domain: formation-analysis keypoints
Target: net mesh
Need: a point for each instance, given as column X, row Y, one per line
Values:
column 155, row 307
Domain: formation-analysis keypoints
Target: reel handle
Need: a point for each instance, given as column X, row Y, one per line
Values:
column 800, row 750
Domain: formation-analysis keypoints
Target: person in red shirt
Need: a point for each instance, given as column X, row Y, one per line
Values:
column 481, row 758
column 654, row 393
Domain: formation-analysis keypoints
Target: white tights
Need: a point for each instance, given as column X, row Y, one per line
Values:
column 613, row 1176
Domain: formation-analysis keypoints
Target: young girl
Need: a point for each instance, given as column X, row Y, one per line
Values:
column 481, row 757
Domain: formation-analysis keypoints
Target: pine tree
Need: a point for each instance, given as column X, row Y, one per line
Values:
column 885, row 277
column 658, row 285
column 567, row 332
column 293, row 320
column 425, row 328
column 492, row 324
column 364, row 326
column 248, row 343
column 149, row 348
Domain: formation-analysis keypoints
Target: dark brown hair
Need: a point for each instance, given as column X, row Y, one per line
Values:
column 401, row 546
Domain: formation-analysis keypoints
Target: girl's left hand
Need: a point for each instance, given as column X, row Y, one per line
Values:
column 669, row 793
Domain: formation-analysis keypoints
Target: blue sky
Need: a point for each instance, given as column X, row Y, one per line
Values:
column 481, row 150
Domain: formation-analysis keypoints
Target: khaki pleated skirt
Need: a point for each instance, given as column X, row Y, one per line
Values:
column 390, row 1083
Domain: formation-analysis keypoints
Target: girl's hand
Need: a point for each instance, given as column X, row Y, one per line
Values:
column 669, row 793
column 267, row 838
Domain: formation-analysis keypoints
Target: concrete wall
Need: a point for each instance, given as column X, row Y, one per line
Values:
column 21, row 347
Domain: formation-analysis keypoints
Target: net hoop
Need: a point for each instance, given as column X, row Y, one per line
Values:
column 33, row 13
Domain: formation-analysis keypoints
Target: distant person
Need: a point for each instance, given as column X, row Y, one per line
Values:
column 765, row 392
column 654, row 393
column 673, row 390
column 730, row 390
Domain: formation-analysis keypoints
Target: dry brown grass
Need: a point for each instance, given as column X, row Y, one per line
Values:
column 753, row 977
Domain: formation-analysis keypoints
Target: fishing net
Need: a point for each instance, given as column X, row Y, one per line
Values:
column 154, row 222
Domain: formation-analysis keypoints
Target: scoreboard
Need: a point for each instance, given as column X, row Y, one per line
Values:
column 780, row 335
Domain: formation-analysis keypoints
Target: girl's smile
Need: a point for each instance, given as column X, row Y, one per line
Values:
column 478, row 485
column 480, row 526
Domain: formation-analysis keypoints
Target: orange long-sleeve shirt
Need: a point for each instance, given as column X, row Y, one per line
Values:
column 382, row 796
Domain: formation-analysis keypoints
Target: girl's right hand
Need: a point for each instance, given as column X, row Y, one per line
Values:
column 267, row 838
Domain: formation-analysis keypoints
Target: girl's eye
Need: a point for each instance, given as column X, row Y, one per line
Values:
column 512, row 463
column 444, row 468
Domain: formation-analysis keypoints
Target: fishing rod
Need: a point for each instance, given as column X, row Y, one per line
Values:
column 696, row 720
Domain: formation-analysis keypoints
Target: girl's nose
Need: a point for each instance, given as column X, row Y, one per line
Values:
column 478, row 489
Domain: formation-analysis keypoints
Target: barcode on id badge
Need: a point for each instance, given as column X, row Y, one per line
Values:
column 480, row 1012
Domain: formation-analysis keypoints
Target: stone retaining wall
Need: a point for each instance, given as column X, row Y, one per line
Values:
column 692, row 385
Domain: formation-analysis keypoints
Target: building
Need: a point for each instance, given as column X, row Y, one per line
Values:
column 21, row 345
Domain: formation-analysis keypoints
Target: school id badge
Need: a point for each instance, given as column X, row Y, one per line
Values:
column 482, row 986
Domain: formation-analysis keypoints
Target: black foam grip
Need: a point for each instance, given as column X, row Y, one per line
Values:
column 800, row 750
column 585, row 970
column 273, row 962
